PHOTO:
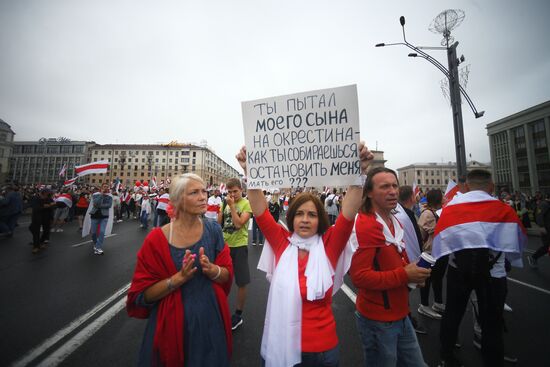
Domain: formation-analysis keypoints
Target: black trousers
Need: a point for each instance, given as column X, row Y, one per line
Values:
column 435, row 281
column 543, row 250
column 491, row 293
column 35, row 230
column 124, row 209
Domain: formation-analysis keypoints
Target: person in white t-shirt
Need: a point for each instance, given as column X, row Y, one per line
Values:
column 213, row 205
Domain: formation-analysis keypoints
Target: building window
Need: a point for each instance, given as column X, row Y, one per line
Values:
column 194, row 154
column 157, row 152
column 542, row 162
column 186, row 152
column 438, row 181
column 521, row 158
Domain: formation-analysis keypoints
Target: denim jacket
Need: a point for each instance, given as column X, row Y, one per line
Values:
column 101, row 202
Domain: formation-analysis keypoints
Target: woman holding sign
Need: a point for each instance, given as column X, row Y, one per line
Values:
column 300, row 263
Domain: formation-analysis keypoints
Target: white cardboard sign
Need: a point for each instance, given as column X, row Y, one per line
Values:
column 303, row 140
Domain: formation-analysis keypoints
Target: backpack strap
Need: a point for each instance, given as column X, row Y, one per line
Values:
column 494, row 260
column 376, row 266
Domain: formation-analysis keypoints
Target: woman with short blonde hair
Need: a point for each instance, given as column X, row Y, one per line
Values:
column 182, row 278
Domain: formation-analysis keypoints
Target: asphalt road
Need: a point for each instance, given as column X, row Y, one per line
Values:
column 65, row 306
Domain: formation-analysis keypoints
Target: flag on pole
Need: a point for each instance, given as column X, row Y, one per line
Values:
column 154, row 182
column 69, row 182
column 63, row 170
column 452, row 189
column 94, row 167
column 416, row 190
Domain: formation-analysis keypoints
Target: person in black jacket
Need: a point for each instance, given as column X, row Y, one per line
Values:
column 542, row 215
column 42, row 205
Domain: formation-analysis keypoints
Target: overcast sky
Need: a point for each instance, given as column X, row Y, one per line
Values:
column 138, row 71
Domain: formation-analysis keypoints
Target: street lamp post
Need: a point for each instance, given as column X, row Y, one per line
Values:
column 455, row 89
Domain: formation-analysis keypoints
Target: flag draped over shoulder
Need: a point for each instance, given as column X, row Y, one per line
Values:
column 451, row 191
column 477, row 220
column 65, row 199
column 94, row 167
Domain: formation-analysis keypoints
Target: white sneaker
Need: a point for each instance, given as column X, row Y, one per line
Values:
column 98, row 251
column 427, row 311
column 59, row 230
column 507, row 308
column 253, row 243
column 438, row 307
column 260, row 244
column 118, row 221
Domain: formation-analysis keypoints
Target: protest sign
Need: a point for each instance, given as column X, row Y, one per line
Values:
column 303, row 140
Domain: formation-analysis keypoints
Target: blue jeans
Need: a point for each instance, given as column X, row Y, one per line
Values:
column 8, row 223
column 328, row 358
column 144, row 219
column 256, row 232
column 388, row 344
column 98, row 236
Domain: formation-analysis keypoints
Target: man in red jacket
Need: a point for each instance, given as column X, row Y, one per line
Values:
column 380, row 270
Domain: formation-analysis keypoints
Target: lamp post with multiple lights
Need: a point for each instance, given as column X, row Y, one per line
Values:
column 455, row 90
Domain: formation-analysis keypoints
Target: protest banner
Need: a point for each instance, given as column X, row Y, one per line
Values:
column 303, row 140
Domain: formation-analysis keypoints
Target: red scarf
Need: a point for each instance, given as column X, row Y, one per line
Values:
column 154, row 264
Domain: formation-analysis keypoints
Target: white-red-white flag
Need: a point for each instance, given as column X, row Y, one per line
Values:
column 154, row 182
column 416, row 190
column 63, row 170
column 452, row 189
column 222, row 187
column 94, row 167
column 66, row 199
column 477, row 220
column 69, row 182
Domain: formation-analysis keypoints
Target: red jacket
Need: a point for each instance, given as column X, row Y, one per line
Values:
column 382, row 294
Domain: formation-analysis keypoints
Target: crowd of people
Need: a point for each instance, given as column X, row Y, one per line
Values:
column 389, row 240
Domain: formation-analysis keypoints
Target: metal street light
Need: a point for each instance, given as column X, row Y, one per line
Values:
column 450, row 19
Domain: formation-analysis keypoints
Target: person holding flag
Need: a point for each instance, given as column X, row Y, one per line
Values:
column 480, row 233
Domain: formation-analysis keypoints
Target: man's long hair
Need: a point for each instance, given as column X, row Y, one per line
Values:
column 366, row 206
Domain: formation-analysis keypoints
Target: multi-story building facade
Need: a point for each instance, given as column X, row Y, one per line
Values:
column 41, row 161
column 433, row 175
column 6, row 147
column 139, row 162
column 519, row 150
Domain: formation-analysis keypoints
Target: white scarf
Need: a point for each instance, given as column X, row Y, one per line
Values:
column 281, row 339
column 396, row 240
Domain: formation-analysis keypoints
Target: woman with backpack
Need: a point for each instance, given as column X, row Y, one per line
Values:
column 427, row 221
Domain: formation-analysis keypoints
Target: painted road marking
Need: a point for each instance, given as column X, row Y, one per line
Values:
column 76, row 341
column 529, row 285
column 90, row 241
column 48, row 343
